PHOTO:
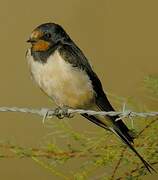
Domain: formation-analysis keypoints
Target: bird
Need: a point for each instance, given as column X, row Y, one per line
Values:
column 62, row 71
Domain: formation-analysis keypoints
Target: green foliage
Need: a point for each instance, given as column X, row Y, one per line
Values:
column 80, row 155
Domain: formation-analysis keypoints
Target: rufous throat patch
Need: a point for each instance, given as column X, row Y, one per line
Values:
column 40, row 45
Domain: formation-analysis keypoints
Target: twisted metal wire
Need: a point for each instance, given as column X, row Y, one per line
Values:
column 61, row 113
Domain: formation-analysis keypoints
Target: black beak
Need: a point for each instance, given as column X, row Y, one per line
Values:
column 31, row 41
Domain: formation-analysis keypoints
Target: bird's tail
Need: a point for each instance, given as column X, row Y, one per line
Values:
column 123, row 135
column 118, row 133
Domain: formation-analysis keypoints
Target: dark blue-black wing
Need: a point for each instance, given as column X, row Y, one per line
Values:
column 74, row 55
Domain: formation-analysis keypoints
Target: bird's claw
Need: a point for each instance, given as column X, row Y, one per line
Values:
column 62, row 112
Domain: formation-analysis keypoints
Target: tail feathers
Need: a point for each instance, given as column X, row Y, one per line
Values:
column 118, row 133
column 95, row 121
column 123, row 128
column 122, row 135
column 104, row 104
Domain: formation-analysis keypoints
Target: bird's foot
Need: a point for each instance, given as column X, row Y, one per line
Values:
column 62, row 112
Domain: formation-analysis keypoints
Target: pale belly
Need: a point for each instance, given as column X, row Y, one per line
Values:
column 66, row 85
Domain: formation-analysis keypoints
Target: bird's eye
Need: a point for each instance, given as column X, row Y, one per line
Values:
column 47, row 36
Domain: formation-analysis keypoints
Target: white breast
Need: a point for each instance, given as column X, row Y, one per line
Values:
column 67, row 85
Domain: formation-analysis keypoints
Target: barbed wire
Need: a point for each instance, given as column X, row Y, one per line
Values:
column 66, row 112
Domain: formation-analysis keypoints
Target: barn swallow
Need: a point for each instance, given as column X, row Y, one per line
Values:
column 63, row 72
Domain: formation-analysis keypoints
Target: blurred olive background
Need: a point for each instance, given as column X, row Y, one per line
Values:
column 119, row 37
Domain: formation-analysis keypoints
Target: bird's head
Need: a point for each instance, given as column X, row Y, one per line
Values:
column 46, row 36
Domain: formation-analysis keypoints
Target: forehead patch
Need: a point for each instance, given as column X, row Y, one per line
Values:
column 36, row 34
